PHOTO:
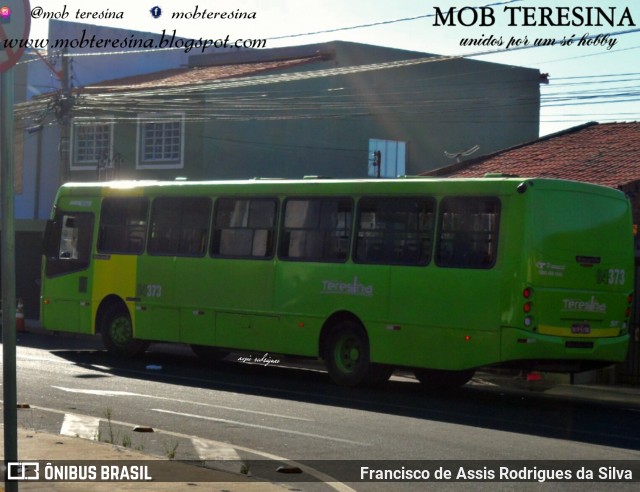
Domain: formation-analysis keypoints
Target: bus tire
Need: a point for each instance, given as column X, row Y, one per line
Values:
column 209, row 354
column 438, row 379
column 347, row 354
column 117, row 333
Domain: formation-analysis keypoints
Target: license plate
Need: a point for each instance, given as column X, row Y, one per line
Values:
column 581, row 328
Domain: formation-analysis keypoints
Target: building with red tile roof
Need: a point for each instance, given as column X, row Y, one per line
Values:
column 607, row 154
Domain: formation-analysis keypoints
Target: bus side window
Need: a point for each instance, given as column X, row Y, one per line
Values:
column 179, row 226
column 394, row 231
column 317, row 229
column 244, row 227
column 123, row 225
column 468, row 232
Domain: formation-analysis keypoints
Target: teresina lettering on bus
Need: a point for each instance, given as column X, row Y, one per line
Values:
column 353, row 288
column 591, row 306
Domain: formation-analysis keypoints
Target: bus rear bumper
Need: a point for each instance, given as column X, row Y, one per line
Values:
column 532, row 350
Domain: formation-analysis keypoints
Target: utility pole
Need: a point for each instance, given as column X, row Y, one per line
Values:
column 8, row 274
column 65, row 104
column 16, row 23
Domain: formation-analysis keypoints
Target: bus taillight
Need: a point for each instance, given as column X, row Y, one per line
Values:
column 527, row 307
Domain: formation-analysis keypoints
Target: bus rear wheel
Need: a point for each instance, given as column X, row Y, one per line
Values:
column 117, row 333
column 438, row 379
column 347, row 357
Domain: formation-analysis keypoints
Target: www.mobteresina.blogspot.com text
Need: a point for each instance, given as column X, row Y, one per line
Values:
column 167, row 40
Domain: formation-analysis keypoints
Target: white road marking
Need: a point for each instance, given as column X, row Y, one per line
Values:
column 264, row 427
column 96, row 392
column 210, row 450
column 42, row 359
column 80, row 426
column 213, row 451
column 127, row 393
column 323, row 477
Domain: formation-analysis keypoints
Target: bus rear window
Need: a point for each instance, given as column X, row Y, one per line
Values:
column 395, row 231
column 317, row 229
column 468, row 232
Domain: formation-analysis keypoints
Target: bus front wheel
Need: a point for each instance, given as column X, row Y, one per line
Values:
column 117, row 333
column 347, row 357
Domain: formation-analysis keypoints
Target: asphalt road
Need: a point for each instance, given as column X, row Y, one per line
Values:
column 251, row 413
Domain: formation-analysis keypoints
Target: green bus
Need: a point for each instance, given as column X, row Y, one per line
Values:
column 436, row 276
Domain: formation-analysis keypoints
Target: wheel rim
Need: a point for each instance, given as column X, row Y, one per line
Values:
column 347, row 354
column 121, row 331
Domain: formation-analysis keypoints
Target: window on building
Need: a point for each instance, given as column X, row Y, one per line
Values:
column 468, row 232
column 387, row 158
column 123, row 225
column 179, row 226
column 396, row 231
column 317, row 229
column 161, row 142
column 244, row 228
column 92, row 143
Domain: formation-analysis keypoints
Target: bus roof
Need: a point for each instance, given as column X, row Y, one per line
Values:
column 494, row 184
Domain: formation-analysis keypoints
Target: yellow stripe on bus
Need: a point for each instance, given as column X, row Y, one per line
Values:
column 114, row 274
column 564, row 331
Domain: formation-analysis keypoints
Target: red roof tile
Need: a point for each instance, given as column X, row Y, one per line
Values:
column 192, row 76
column 606, row 154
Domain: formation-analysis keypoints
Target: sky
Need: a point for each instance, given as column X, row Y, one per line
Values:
column 600, row 82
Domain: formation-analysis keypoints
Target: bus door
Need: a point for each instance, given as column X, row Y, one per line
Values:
column 66, row 297
column 173, row 236
column 237, row 281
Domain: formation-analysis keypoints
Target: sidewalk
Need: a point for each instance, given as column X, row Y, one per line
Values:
column 604, row 393
column 39, row 446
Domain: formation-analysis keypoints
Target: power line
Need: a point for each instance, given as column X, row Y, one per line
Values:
column 136, row 101
column 379, row 23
